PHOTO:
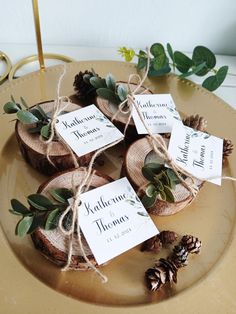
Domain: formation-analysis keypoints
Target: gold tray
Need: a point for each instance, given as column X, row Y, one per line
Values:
column 207, row 285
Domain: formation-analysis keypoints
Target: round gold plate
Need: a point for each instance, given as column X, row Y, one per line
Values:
column 207, row 285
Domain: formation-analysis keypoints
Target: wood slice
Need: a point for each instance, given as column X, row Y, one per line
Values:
column 34, row 150
column 110, row 109
column 53, row 244
column 133, row 163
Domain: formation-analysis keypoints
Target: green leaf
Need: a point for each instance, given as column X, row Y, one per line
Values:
column 40, row 202
column 153, row 73
column 157, row 50
column 195, row 69
column 142, row 60
column 213, row 82
column 52, row 219
column 163, row 195
column 154, row 167
column 159, row 62
column 147, row 173
column 61, row 194
column 150, row 190
column 13, row 99
column 149, row 201
column 11, row 107
column 43, row 113
column 183, row 62
column 122, row 92
column 170, row 52
column 36, row 129
column 97, row 82
column 24, row 103
column 126, row 53
column 202, row 54
column 169, row 195
column 37, row 114
column 108, row 95
column 158, row 184
column 46, row 131
column 165, row 179
column 172, row 176
column 23, row 226
column 26, row 117
column 18, row 207
column 38, row 222
column 111, row 82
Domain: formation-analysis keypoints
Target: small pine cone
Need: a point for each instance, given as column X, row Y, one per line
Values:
column 180, row 256
column 192, row 244
column 196, row 122
column 167, row 237
column 84, row 90
column 227, row 148
column 164, row 271
column 152, row 245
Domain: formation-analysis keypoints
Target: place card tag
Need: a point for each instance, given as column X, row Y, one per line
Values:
column 197, row 152
column 113, row 220
column 158, row 111
column 86, row 130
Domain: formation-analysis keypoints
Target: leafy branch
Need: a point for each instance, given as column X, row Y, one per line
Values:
column 26, row 115
column 203, row 61
column 42, row 212
column 162, row 181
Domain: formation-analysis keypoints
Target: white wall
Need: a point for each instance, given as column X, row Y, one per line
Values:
column 135, row 23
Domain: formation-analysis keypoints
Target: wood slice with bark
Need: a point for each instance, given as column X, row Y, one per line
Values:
column 53, row 244
column 34, row 150
column 132, row 168
column 121, row 119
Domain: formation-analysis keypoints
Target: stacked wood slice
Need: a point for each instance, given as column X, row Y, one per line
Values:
column 132, row 168
column 121, row 119
column 54, row 244
column 34, row 150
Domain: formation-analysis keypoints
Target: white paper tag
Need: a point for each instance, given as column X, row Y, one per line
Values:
column 87, row 129
column 113, row 220
column 197, row 152
column 158, row 111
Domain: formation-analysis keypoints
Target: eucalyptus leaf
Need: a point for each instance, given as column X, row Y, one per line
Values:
column 52, row 219
column 26, row 117
column 150, row 190
column 98, row 82
column 61, row 194
column 149, row 201
column 165, row 178
column 11, row 107
column 157, row 50
column 46, row 131
column 183, row 62
column 158, row 184
column 170, row 51
column 153, row 73
column 195, row 69
column 122, row 92
column 111, row 82
column 37, row 114
column 35, row 129
column 43, row 113
column 40, row 202
column 163, row 195
column 147, row 173
column 154, row 167
column 108, row 95
column 142, row 60
column 18, row 207
column 23, row 226
column 213, row 82
column 203, row 54
column 38, row 222
column 172, row 176
column 159, row 62
column 169, row 195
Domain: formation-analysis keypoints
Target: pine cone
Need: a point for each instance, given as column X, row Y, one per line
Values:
column 180, row 256
column 164, row 271
column 152, row 245
column 84, row 90
column 196, row 122
column 192, row 244
column 227, row 148
column 167, row 237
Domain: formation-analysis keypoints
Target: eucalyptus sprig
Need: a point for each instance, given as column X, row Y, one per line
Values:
column 26, row 115
column 108, row 88
column 202, row 62
column 162, row 181
column 41, row 211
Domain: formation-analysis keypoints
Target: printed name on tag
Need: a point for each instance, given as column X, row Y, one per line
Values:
column 158, row 111
column 87, row 129
column 197, row 152
column 113, row 220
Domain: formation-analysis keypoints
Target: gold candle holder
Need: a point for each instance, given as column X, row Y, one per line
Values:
column 6, row 59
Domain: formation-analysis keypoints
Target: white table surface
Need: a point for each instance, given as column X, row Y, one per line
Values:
column 18, row 51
